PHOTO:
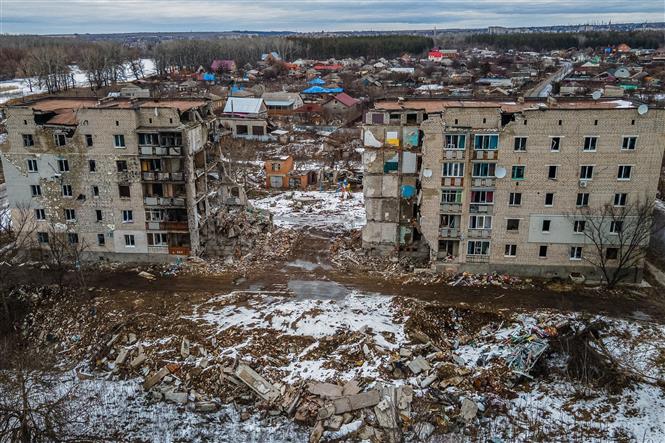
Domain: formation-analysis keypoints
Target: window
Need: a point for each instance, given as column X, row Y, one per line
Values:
column 95, row 191
column 483, row 169
column 515, row 199
column 482, row 197
column 478, row 247
column 595, row 122
column 453, row 170
column 101, row 240
column 620, row 199
column 576, row 253
column 512, row 224
column 73, row 238
column 511, row 251
column 612, row 253
column 28, row 140
column 70, row 215
column 92, row 165
column 377, row 118
column 551, row 172
column 148, row 139
column 258, row 130
column 275, row 166
column 451, row 196
column 42, row 237
column 241, row 129
column 480, row 222
column 549, row 199
column 560, row 122
column 542, row 251
column 123, row 191
column 117, row 123
column 129, row 240
column 624, row 172
column 586, row 172
column 158, row 239
column 590, row 143
column 60, row 139
column 32, row 165
column 486, row 142
column 582, row 199
column 628, row 143
column 63, row 165
column 121, row 165
column 578, row 226
column 35, row 190
column 40, row 214
column 518, row 172
column 546, row 225
column 119, row 141
column 455, row 141
column 127, row 216
column 616, row 226
column 88, row 140
column 67, row 191
column 448, row 221
column 520, row 144
column 555, row 144
column 99, row 215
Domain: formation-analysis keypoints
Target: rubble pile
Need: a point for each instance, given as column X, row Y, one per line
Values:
column 232, row 231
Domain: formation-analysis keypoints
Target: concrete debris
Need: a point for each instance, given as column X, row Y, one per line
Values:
column 418, row 365
column 122, row 356
column 424, row 430
column 184, row 348
column 468, row 410
column 155, row 378
column 257, row 383
column 147, row 275
column 176, row 397
column 138, row 361
column 325, row 390
column 205, row 406
column 358, row 401
column 317, row 432
column 334, row 423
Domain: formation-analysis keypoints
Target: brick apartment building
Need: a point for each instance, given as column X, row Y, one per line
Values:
column 494, row 185
column 129, row 178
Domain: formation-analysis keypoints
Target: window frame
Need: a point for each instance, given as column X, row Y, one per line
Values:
column 629, row 138
column 119, row 141
column 623, row 168
column 447, row 142
column 485, row 146
column 558, row 138
column 478, row 245
column 622, row 196
column 588, row 168
column 508, row 223
column 32, row 165
column 458, row 168
column 127, row 216
column 486, row 220
column 510, row 250
column 511, row 199
column 590, row 138
column 576, row 253
column 130, row 241
column 520, row 143
column 516, row 168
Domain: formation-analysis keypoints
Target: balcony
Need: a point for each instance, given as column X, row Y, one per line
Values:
column 492, row 154
column 480, row 233
column 160, row 151
column 483, row 182
column 456, row 154
column 158, row 249
column 179, row 250
column 450, row 233
column 477, row 258
column 452, row 181
column 167, row 226
column 480, row 208
column 164, row 201
column 451, row 207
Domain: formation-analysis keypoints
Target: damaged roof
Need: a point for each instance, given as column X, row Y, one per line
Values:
column 55, row 104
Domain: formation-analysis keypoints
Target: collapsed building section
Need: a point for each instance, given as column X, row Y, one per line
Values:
column 500, row 185
column 123, row 178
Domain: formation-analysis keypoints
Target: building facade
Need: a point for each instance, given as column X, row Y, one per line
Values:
column 125, row 178
column 496, row 185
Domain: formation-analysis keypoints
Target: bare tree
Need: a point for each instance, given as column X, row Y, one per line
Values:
column 618, row 236
column 66, row 250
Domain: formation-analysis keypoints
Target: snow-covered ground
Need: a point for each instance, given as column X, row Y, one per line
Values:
column 20, row 87
column 321, row 210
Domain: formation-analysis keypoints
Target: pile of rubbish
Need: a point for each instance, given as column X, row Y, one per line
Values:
column 493, row 279
column 233, row 231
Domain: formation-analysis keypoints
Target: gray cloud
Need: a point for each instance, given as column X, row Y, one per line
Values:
column 102, row 16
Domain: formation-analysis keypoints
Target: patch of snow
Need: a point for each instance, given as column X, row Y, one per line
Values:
column 323, row 210
column 622, row 104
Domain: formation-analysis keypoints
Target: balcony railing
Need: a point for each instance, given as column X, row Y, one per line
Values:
column 450, row 232
column 179, row 250
column 452, row 181
column 160, row 150
column 164, row 201
column 483, row 182
column 477, row 258
column 167, row 226
column 480, row 233
column 451, row 207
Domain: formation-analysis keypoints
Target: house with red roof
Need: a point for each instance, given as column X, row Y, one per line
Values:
column 342, row 106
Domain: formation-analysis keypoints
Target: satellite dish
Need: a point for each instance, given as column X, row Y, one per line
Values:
column 500, row 172
column 596, row 95
column 427, row 173
column 642, row 109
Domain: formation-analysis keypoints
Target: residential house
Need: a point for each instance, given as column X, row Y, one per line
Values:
column 342, row 107
column 282, row 102
column 246, row 118
column 277, row 171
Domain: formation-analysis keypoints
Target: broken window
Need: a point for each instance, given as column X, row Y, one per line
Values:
column 99, row 215
column 73, row 238
column 515, row 199
column 88, row 140
column 258, row 130
column 67, row 191
column 512, row 224
column 60, row 139
column 478, row 247
column 121, row 165
column 35, row 190
column 411, row 118
column 101, row 240
column 518, row 172
column 451, row 196
column 480, row 222
column 549, row 199
column 620, row 199
column 551, row 172
column 70, row 215
column 520, row 144
column 455, row 141
column 579, row 226
column 616, row 226
column 576, row 253
column 392, row 164
column 510, row 251
column 40, row 214
column 148, row 139
column 63, row 165
column 546, row 225
column 124, row 191
column 95, row 191
column 624, row 172
column 42, row 237
column 542, row 251
column 158, row 239
column 241, row 129
column 92, row 165
column 28, row 140
column 612, row 253
column 555, row 144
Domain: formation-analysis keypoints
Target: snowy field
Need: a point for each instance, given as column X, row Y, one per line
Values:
column 320, row 210
column 20, row 87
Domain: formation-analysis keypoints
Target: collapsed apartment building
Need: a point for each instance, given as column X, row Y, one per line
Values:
column 133, row 179
column 487, row 186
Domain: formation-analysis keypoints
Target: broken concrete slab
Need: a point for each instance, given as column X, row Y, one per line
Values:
column 428, row 381
column 468, row 410
column 176, row 397
column 122, row 356
column 418, row 365
column 358, row 401
column 424, row 430
column 317, row 432
column 205, row 406
column 385, row 413
column 184, row 348
column 351, row 388
column 256, row 382
column 138, row 360
column 334, row 423
column 155, row 378
column 325, row 390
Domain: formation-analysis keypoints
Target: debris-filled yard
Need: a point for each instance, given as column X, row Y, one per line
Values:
column 322, row 361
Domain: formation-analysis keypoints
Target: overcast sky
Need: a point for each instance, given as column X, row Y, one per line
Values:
column 106, row 16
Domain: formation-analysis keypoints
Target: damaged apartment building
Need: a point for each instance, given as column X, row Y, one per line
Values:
column 132, row 179
column 487, row 186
